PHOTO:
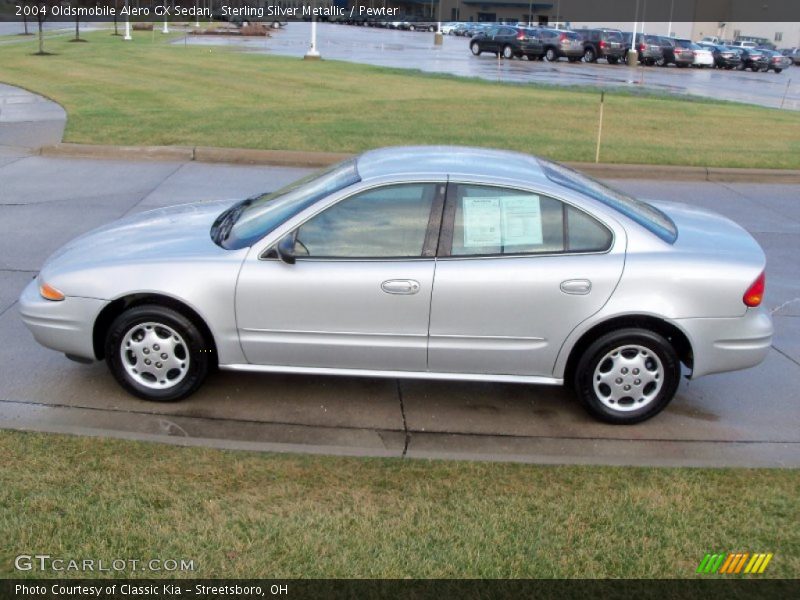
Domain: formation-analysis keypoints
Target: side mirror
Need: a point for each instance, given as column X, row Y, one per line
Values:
column 285, row 249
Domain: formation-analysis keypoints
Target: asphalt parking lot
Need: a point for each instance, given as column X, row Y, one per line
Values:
column 415, row 50
column 748, row 418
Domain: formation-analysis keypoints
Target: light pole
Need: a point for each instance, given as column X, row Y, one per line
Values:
column 669, row 27
column 438, row 38
column 127, row 37
column 313, row 53
column 633, row 56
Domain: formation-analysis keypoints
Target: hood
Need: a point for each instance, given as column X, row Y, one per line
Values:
column 707, row 233
column 163, row 234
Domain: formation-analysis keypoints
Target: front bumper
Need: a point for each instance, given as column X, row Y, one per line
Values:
column 65, row 326
column 728, row 344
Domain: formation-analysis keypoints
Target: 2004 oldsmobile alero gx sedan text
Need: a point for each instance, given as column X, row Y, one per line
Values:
column 428, row 262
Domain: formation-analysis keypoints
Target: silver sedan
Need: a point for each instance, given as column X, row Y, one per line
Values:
column 427, row 262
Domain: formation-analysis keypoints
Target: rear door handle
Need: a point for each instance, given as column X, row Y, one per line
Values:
column 400, row 286
column 579, row 287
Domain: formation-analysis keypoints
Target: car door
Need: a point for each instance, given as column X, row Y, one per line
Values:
column 517, row 272
column 358, row 295
column 489, row 43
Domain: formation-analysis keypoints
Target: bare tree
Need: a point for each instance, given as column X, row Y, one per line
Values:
column 41, row 17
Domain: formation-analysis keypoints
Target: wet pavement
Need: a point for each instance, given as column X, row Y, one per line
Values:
column 416, row 50
column 747, row 418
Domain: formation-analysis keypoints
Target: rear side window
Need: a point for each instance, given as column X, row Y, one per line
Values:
column 490, row 221
column 613, row 36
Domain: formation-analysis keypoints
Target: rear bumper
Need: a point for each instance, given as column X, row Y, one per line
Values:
column 721, row 345
column 65, row 326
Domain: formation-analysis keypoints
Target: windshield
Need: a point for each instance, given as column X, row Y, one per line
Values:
column 643, row 213
column 262, row 214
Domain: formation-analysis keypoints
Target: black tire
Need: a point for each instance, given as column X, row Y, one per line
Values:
column 589, row 55
column 551, row 55
column 662, row 62
column 612, row 60
column 475, row 47
column 197, row 352
column 508, row 52
column 595, row 357
column 778, row 71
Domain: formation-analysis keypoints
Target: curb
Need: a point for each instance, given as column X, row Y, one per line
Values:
column 290, row 158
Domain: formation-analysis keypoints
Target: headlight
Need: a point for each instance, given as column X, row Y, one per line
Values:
column 48, row 292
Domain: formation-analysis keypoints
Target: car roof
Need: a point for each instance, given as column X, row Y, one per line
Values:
column 448, row 160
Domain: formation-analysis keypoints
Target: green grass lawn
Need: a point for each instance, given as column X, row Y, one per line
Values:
column 240, row 514
column 147, row 92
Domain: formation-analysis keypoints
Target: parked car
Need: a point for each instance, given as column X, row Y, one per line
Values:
column 419, row 24
column 703, row 57
column 602, row 43
column 793, row 53
column 560, row 43
column 426, row 262
column 725, row 57
column 743, row 44
column 648, row 47
column 776, row 61
column 508, row 42
column 753, row 59
column 449, row 28
column 676, row 51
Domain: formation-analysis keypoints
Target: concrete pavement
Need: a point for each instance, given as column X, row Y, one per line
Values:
column 746, row 418
column 28, row 120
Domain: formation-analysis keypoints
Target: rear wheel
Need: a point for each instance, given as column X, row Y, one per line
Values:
column 589, row 55
column 627, row 376
column 508, row 52
column 156, row 353
column 475, row 47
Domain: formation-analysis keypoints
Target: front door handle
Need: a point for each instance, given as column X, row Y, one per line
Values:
column 400, row 286
column 580, row 287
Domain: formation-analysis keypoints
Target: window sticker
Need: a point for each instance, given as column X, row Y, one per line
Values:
column 482, row 222
column 522, row 220
column 502, row 221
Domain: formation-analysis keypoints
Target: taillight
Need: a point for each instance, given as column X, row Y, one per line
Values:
column 520, row 35
column 641, row 47
column 562, row 37
column 602, row 44
column 755, row 293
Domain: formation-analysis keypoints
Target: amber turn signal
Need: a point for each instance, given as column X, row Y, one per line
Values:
column 48, row 292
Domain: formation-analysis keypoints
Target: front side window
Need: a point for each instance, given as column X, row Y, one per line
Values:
column 386, row 222
column 496, row 221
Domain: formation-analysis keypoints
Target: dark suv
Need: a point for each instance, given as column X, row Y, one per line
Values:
column 602, row 43
column 648, row 47
column 679, row 52
column 558, row 43
column 508, row 42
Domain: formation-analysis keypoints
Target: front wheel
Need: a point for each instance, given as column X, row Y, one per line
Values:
column 475, row 47
column 551, row 55
column 627, row 376
column 508, row 52
column 589, row 56
column 156, row 353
